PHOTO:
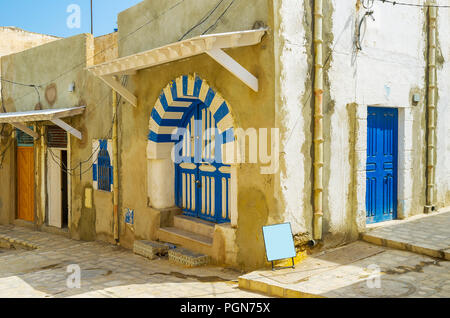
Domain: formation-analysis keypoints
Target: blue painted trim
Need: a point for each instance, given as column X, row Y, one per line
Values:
column 209, row 97
column 156, row 117
column 94, row 172
column 228, row 136
column 159, row 138
column 103, row 144
column 173, row 90
column 221, row 112
column 185, row 85
column 163, row 100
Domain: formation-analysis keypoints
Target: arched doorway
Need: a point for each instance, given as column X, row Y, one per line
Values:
column 191, row 135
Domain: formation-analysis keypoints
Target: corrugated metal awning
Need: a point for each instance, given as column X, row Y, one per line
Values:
column 54, row 115
column 212, row 44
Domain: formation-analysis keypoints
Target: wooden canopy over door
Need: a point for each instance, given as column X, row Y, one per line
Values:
column 25, row 183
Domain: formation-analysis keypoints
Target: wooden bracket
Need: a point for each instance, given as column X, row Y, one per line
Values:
column 112, row 82
column 26, row 130
column 67, row 128
column 234, row 67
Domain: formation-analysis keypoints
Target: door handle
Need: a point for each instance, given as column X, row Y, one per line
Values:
column 199, row 184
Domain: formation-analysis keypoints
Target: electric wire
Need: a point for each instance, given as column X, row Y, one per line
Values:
column 218, row 19
column 358, row 38
column 202, row 20
column 399, row 3
column 72, row 171
column 100, row 52
column 35, row 86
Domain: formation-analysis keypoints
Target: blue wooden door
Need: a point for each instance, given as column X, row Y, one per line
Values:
column 202, row 182
column 382, row 152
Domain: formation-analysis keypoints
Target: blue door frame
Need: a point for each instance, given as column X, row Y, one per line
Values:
column 381, row 168
column 202, row 186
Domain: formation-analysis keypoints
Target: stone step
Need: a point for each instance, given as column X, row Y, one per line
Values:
column 194, row 225
column 150, row 249
column 185, row 257
column 193, row 241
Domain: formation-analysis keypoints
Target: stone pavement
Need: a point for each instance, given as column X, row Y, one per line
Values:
column 106, row 271
column 357, row 270
column 410, row 259
column 427, row 235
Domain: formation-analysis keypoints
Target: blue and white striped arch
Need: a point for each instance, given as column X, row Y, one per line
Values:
column 172, row 108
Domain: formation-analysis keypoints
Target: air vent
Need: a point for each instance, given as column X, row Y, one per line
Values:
column 56, row 137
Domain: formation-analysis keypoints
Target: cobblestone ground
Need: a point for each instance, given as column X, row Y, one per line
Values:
column 106, row 271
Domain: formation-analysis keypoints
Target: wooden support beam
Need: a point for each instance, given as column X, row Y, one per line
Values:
column 234, row 67
column 67, row 128
column 123, row 91
column 26, row 130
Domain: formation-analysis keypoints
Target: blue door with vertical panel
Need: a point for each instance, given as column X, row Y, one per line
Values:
column 202, row 181
column 381, row 168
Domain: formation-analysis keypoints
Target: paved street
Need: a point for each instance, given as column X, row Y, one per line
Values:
column 360, row 269
column 407, row 258
column 424, row 234
column 106, row 271
column 357, row 270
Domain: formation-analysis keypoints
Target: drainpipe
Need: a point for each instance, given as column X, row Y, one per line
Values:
column 43, row 174
column 431, row 109
column 318, row 120
column 115, row 167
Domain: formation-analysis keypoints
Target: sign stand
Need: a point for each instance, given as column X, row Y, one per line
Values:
column 279, row 243
column 278, row 268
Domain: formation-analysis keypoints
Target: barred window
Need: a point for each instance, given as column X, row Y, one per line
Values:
column 104, row 170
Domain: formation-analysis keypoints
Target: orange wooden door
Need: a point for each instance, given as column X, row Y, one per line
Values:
column 25, row 183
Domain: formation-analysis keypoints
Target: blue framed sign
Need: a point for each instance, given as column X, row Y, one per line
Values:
column 279, row 242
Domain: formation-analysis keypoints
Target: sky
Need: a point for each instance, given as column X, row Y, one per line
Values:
column 60, row 18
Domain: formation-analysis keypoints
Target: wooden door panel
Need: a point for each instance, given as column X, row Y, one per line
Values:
column 382, row 153
column 25, row 183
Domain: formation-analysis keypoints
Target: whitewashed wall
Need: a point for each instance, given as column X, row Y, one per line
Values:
column 290, row 76
column 390, row 66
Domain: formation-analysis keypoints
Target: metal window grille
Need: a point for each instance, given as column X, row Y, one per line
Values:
column 23, row 139
column 104, row 170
